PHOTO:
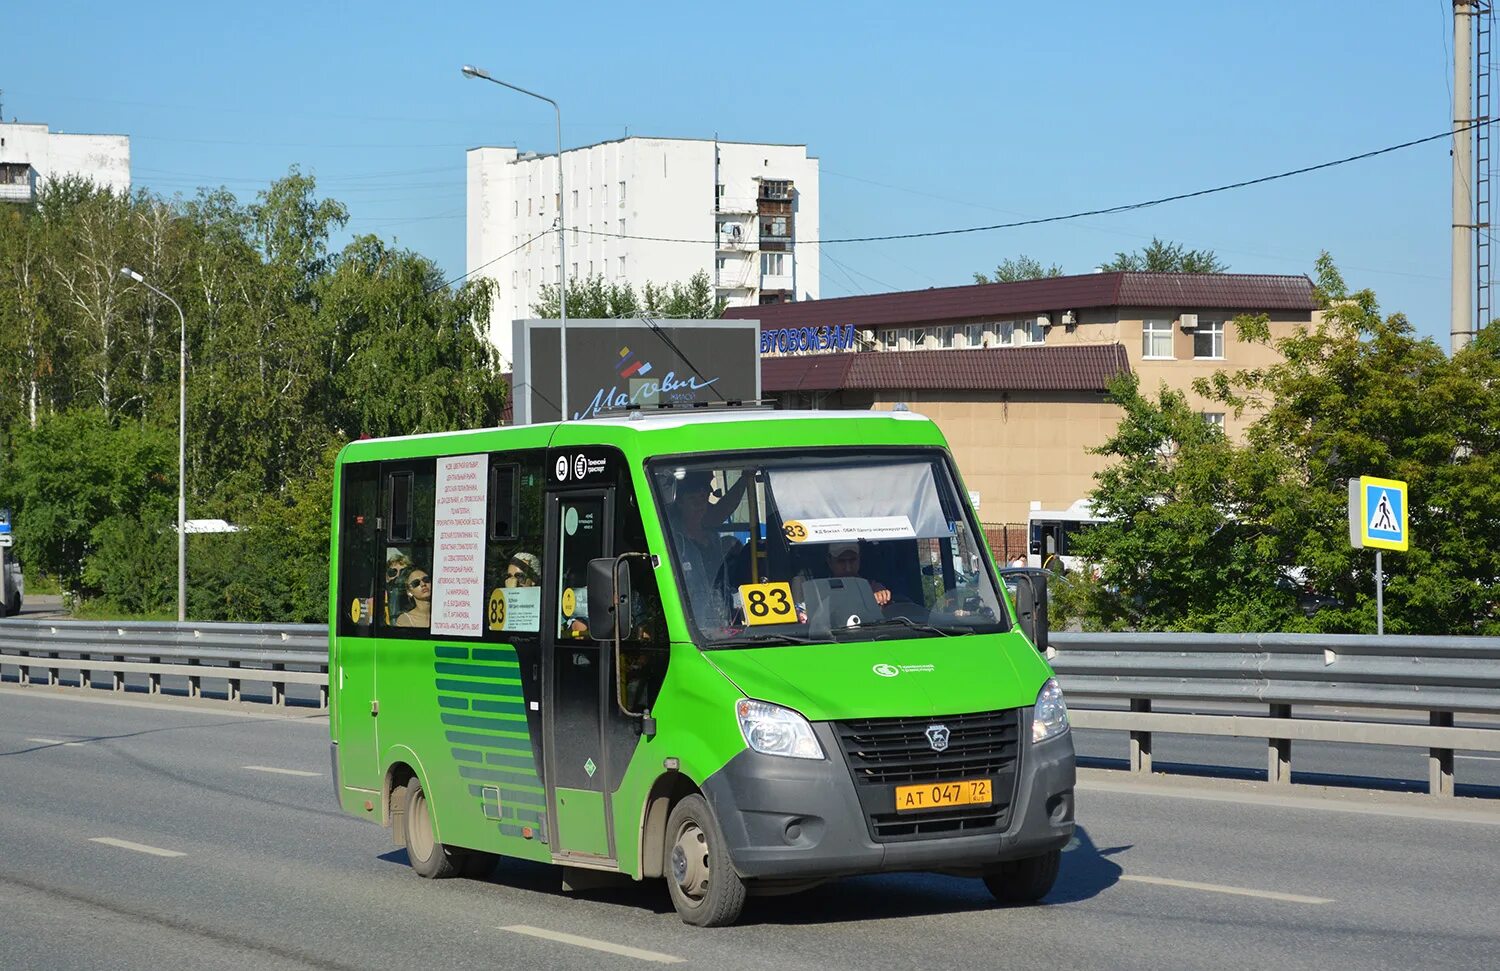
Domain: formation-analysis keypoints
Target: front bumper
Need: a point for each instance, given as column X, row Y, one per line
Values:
column 798, row 819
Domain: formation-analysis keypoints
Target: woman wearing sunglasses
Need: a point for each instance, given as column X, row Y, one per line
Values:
column 416, row 587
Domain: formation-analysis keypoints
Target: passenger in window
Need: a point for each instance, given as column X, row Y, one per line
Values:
column 843, row 561
column 396, row 564
column 523, row 570
column 417, row 589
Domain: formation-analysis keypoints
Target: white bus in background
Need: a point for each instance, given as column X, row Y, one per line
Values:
column 1050, row 534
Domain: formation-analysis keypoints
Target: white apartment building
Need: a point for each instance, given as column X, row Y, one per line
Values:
column 30, row 156
column 744, row 209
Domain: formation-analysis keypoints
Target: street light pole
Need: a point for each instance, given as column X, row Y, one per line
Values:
column 128, row 273
column 470, row 71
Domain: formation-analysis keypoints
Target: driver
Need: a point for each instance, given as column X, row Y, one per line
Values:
column 843, row 561
column 701, row 547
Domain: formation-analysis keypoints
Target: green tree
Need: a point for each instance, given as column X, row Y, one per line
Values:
column 1022, row 267
column 594, row 298
column 74, row 472
column 1161, row 256
column 1184, row 545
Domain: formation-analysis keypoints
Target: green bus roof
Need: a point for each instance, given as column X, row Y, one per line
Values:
column 644, row 434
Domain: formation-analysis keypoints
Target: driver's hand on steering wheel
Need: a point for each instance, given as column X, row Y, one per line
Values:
column 882, row 595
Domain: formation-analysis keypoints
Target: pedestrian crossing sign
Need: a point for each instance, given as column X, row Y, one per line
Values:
column 1382, row 514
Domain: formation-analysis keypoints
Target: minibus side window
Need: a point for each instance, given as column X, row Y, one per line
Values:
column 513, row 554
column 410, row 495
column 358, row 550
column 643, row 648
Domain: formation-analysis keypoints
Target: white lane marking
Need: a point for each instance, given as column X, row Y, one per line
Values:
column 1480, row 758
column 52, row 741
column 589, row 942
column 270, row 768
column 1291, row 898
column 137, row 847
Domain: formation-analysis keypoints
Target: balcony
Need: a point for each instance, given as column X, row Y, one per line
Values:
column 16, row 193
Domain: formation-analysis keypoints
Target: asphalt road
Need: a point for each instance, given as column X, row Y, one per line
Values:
column 151, row 834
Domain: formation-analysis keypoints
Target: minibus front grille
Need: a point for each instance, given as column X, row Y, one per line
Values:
column 883, row 753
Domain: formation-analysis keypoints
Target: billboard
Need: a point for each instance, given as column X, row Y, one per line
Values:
column 616, row 364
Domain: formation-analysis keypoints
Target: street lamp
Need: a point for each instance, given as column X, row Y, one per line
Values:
column 130, row 274
column 470, row 71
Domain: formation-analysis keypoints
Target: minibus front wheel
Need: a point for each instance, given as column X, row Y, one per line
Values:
column 704, row 887
column 1024, row 881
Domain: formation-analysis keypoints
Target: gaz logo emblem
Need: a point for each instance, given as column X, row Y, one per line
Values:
column 937, row 737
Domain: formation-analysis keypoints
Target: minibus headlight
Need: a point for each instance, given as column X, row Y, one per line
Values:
column 1050, row 715
column 773, row 730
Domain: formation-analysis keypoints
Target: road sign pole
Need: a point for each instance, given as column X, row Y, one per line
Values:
column 1379, row 597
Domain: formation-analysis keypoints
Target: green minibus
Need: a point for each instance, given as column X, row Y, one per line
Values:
column 744, row 651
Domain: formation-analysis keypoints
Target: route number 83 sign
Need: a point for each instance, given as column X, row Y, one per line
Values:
column 768, row 603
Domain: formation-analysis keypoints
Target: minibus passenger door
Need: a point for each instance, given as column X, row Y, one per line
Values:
column 576, row 677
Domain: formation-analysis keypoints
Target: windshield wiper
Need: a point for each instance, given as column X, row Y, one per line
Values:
column 903, row 621
column 769, row 639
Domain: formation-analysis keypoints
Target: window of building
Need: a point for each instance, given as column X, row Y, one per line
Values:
column 604, row 194
column 575, row 198
column 516, row 204
column 515, row 278
column 945, row 336
column 528, row 206
column 557, row 200
column 720, row 262
column 772, row 264
column 574, row 271
column 973, row 335
column 1214, row 418
column 1156, row 339
column 622, row 193
column 773, row 227
column 1208, row 339
column 591, row 268
column 622, row 228
column 622, row 266
column 889, row 339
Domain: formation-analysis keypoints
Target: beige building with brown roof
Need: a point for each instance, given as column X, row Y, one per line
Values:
column 1015, row 374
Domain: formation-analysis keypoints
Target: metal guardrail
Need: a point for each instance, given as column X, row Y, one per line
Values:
column 1383, row 680
column 274, row 654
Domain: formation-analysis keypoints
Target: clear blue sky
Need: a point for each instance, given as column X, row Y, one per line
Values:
column 925, row 116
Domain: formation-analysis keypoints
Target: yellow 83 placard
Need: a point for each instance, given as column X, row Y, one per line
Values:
column 768, row 603
column 794, row 531
column 569, row 601
column 497, row 609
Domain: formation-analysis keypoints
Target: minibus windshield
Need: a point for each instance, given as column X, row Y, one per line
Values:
column 823, row 546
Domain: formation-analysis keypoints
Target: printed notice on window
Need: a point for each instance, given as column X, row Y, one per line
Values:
column 458, row 601
column 848, row 529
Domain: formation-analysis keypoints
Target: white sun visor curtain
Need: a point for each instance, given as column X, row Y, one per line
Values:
column 868, row 501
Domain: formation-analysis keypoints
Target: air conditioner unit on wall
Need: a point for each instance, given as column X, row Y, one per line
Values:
column 1044, row 321
column 1188, row 321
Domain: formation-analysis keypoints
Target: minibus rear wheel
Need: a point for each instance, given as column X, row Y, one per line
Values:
column 427, row 856
column 704, row 887
column 1024, row 881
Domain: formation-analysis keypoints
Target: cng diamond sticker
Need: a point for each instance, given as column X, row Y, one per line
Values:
column 590, row 768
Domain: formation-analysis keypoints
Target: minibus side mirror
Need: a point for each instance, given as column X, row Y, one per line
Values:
column 1036, row 549
column 1030, row 587
column 609, row 598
